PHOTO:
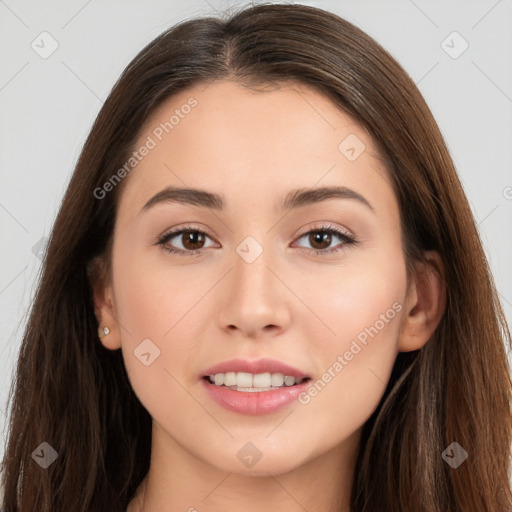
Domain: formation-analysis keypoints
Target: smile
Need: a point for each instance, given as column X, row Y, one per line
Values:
column 248, row 382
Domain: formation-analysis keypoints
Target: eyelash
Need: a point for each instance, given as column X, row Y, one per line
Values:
column 327, row 228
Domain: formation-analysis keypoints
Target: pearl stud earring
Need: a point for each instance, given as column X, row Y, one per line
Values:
column 103, row 331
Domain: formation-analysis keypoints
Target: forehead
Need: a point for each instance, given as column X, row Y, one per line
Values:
column 247, row 143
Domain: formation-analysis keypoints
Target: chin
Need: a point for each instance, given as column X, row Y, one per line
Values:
column 272, row 462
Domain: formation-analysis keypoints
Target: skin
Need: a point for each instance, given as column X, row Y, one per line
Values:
column 290, row 304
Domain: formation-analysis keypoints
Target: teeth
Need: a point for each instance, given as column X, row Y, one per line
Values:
column 230, row 379
column 277, row 379
column 289, row 381
column 243, row 381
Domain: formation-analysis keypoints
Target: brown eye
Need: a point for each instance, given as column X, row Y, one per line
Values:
column 320, row 239
column 192, row 241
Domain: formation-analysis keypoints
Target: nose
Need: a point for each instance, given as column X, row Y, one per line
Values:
column 254, row 298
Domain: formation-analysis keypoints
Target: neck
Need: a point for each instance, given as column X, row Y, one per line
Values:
column 178, row 480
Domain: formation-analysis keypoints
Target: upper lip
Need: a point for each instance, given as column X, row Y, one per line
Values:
column 264, row 365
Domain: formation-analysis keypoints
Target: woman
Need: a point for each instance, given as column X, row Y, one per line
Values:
column 364, row 371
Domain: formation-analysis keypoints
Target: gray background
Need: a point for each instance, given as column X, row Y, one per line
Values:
column 48, row 106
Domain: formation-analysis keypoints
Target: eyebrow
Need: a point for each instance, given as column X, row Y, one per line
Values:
column 294, row 199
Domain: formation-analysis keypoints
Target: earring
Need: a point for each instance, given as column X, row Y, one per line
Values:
column 103, row 331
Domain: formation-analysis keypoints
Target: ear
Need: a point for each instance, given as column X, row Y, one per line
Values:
column 425, row 303
column 104, row 305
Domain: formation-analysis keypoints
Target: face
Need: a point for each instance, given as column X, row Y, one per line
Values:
column 319, row 285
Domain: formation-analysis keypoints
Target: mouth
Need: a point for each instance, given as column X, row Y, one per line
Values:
column 254, row 383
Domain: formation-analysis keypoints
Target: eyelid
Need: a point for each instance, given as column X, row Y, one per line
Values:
column 326, row 226
column 307, row 229
column 186, row 227
column 338, row 231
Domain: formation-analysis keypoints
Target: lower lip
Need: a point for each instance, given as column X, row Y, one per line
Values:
column 257, row 402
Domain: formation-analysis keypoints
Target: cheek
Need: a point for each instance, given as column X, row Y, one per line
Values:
column 363, row 308
column 374, row 312
column 154, row 307
column 364, row 293
column 152, row 297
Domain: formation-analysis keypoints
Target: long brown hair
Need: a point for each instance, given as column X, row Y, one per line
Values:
column 74, row 394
